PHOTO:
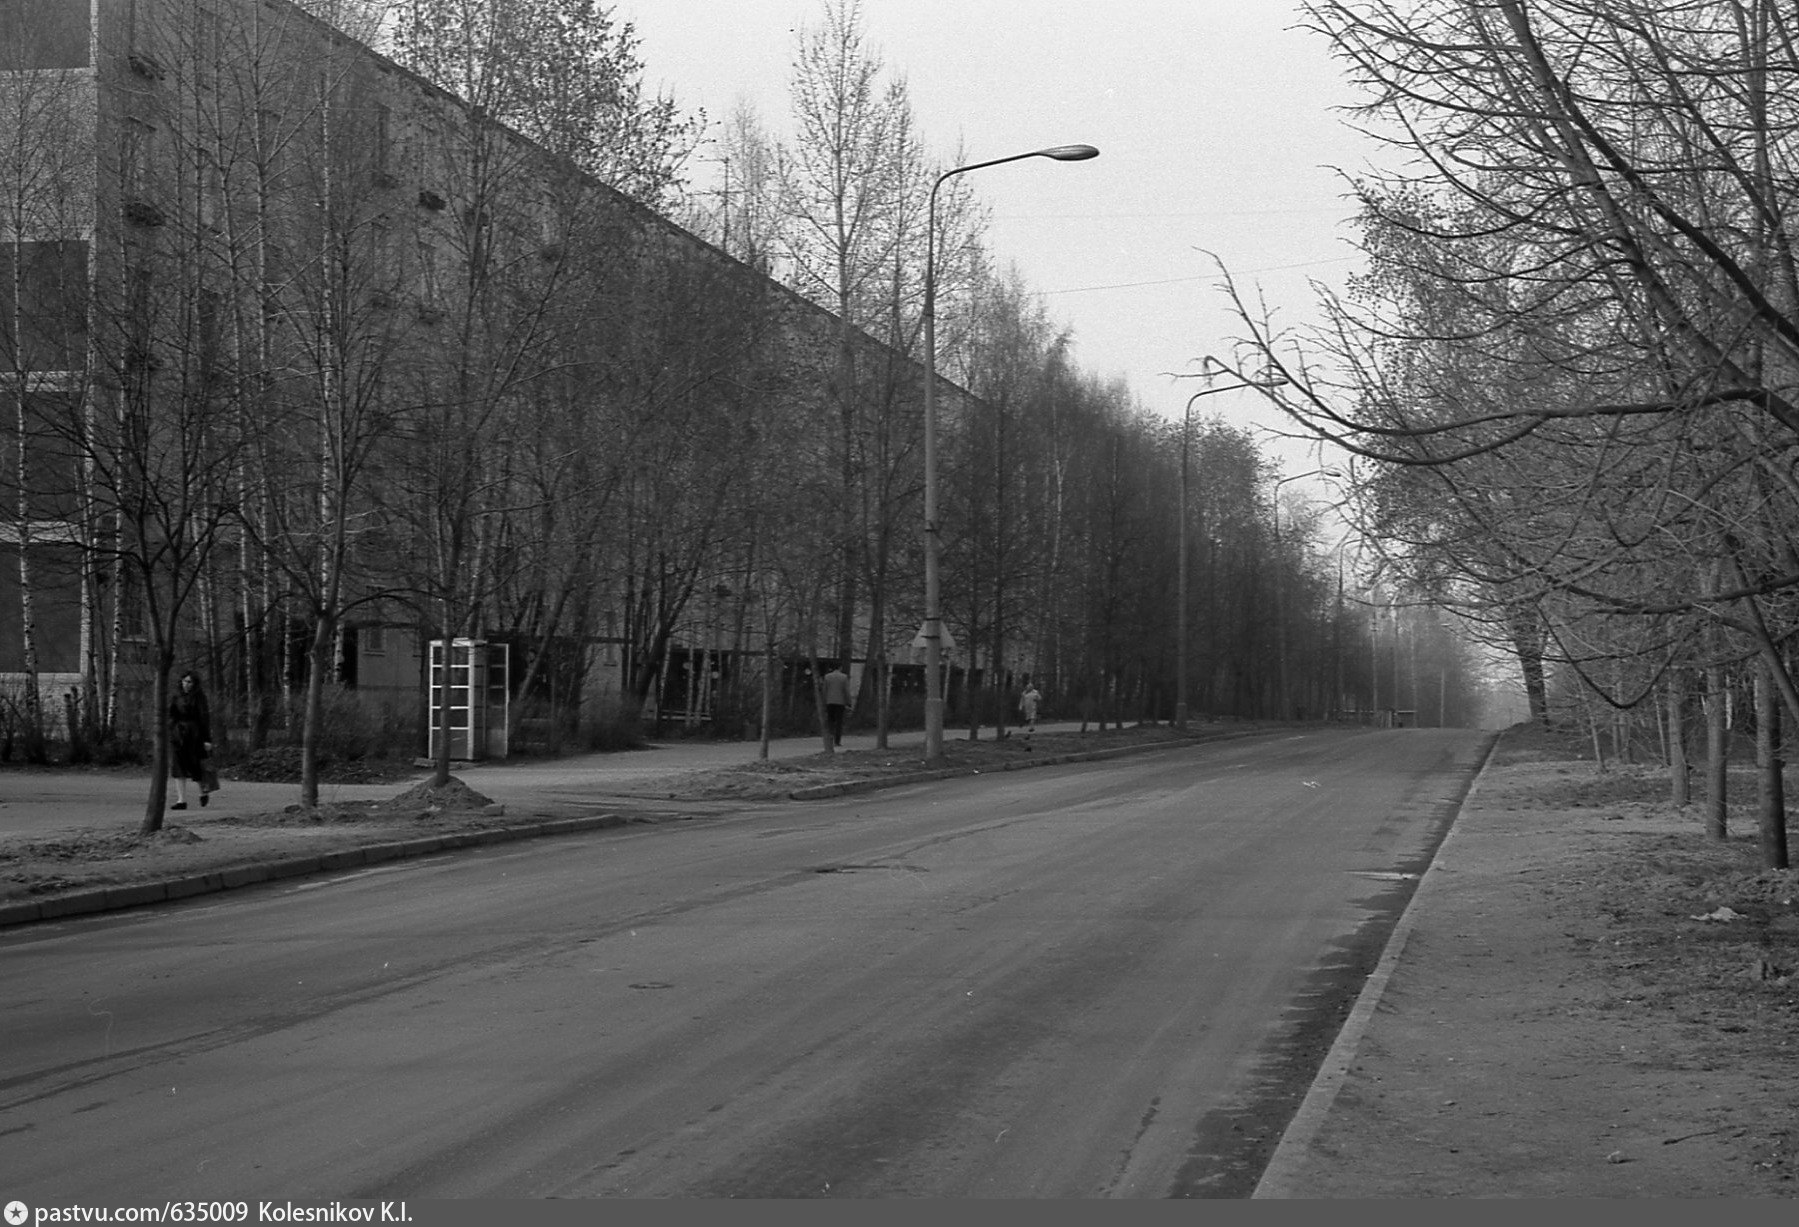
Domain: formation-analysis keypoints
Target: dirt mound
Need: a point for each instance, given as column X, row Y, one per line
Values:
column 86, row 845
column 455, row 795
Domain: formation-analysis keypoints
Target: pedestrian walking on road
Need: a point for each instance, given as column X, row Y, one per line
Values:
column 1027, row 707
column 837, row 701
column 190, row 738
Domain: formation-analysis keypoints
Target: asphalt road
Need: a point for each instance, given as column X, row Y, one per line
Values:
column 1081, row 981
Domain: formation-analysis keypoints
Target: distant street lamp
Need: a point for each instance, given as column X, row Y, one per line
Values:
column 1209, row 366
column 933, row 611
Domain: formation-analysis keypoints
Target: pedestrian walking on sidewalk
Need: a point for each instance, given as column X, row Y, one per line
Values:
column 837, row 701
column 1027, row 707
column 190, row 738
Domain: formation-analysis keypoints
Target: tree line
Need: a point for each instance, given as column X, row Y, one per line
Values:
column 1571, row 367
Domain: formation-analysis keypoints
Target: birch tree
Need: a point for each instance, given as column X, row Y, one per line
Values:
column 845, row 177
column 47, row 120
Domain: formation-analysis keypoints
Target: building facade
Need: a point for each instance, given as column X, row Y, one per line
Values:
column 308, row 363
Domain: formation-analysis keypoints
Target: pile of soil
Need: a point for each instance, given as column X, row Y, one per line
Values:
column 453, row 795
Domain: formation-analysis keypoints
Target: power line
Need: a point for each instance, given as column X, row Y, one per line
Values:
column 1208, row 213
column 1132, row 285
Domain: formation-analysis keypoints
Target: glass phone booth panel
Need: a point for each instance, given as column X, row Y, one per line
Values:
column 478, row 698
column 498, row 685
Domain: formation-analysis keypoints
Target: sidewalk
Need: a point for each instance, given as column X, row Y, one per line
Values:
column 1527, row 1035
column 56, row 800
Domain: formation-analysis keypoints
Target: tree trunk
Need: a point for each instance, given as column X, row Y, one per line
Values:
column 818, row 700
column 872, row 693
column 312, row 724
column 1678, row 771
column 159, row 741
column 1593, row 734
column 35, row 749
column 1527, row 641
column 34, row 712
column 849, row 527
column 1717, row 754
column 1771, row 817
column 440, row 761
column 768, row 687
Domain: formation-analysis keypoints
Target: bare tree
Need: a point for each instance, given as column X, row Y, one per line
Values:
column 846, row 179
column 48, row 117
column 1591, row 362
column 565, row 74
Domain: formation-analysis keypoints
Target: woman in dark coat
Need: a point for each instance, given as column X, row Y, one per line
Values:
column 190, row 738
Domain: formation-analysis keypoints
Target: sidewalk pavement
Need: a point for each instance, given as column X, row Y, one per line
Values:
column 1501, row 1047
column 43, row 803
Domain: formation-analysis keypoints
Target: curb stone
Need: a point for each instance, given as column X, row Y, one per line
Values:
column 140, row 894
column 821, row 792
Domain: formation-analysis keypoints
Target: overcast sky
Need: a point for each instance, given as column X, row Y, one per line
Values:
column 1218, row 126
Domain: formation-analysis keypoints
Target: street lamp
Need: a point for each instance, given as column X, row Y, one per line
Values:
column 1209, row 367
column 933, row 611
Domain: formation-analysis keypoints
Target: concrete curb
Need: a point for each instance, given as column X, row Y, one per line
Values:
column 141, row 894
column 1288, row 1160
column 821, row 792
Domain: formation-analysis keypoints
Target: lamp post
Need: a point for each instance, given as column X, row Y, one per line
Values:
column 1209, row 366
column 933, row 611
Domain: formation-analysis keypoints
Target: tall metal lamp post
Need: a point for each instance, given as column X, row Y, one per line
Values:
column 1209, row 366
column 933, row 609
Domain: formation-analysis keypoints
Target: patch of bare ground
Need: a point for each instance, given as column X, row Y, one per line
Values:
column 1700, row 944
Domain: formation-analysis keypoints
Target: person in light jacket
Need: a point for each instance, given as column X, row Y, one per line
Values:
column 836, row 685
column 1027, row 707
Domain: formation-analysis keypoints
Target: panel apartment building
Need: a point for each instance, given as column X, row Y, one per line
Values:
column 275, row 314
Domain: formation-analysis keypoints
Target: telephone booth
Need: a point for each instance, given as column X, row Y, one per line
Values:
column 478, row 698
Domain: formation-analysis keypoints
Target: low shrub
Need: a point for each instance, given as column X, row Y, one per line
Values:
column 610, row 727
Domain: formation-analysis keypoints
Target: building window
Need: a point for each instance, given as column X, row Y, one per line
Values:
column 43, row 34
column 43, row 451
column 43, row 328
column 134, row 616
column 136, row 139
column 209, row 315
column 430, row 308
column 140, row 359
column 211, row 194
column 381, row 142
